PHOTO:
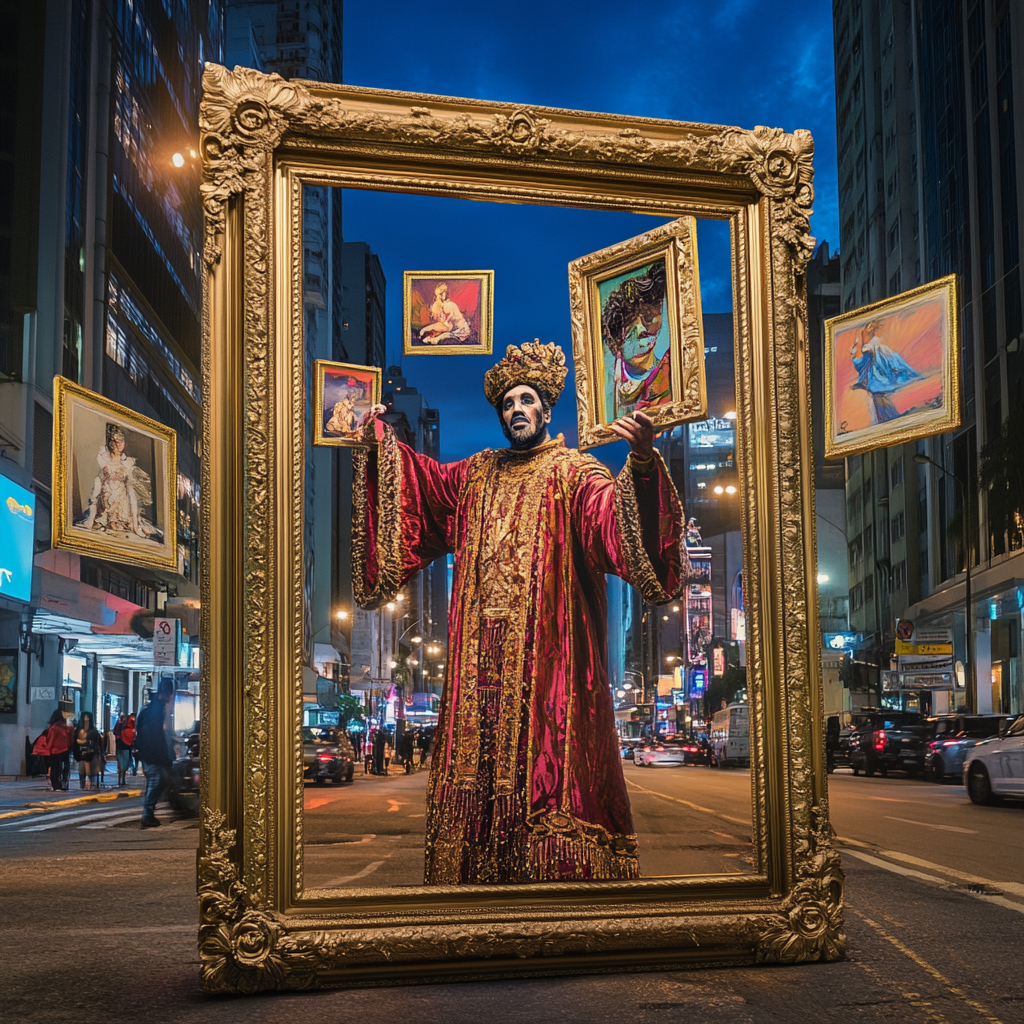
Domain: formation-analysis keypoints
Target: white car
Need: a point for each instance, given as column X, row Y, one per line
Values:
column 660, row 753
column 995, row 767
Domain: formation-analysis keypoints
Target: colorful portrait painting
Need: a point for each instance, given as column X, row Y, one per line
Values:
column 638, row 335
column 635, row 340
column 448, row 312
column 345, row 393
column 114, row 476
column 892, row 371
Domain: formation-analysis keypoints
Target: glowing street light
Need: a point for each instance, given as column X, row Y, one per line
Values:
column 823, row 577
column 390, row 606
column 719, row 489
column 178, row 160
column 730, row 489
column 342, row 615
column 416, row 639
column 731, row 414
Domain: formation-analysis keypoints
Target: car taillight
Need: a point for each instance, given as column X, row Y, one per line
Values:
column 660, row 748
column 880, row 739
column 690, row 750
column 647, row 750
column 326, row 757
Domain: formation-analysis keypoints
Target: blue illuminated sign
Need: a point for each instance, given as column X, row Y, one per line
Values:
column 697, row 680
column 17, row 540
column 843, row 641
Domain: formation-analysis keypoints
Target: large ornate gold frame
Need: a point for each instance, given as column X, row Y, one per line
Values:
column 263, row 138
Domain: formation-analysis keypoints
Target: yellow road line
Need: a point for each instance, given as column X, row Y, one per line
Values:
column 692, row 806
column 75, row 801
column 914, row 998
column 924, row 965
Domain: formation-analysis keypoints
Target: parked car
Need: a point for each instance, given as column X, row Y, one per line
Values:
column 627, row 747
column 327, row 754
column 915, row 743
column 995, row 767
column 955, row 737
column 877, row 737
column 660, row 753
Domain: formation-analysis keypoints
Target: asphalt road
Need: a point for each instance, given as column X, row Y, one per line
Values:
column 100, row 917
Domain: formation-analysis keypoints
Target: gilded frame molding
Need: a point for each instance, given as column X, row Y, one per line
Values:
column 676, row 243
column 262, row 139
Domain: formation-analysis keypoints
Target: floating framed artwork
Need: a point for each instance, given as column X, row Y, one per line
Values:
column 448, row 312
column 637, row 332
column 892, row 371
column 344, row 394
column 114, row 474
column 8, row 681
column 272, row 917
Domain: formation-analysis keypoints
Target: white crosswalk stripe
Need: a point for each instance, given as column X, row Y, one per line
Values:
column 79, row 817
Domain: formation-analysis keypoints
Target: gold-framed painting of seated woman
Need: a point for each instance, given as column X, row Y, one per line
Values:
column 638, row 338
column 343, row 394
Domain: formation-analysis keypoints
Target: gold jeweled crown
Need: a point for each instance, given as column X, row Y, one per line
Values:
column 540, row 366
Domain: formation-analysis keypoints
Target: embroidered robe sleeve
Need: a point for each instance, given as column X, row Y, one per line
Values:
column 633, row 526
column 403, row 514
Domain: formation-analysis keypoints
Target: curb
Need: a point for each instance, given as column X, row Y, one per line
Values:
column 75, row 801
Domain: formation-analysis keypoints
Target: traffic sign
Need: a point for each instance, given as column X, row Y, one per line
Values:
column 166, row 636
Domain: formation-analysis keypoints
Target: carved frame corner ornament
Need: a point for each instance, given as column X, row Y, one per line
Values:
column 262, row 140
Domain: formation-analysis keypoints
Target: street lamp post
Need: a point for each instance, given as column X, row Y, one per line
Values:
column 972, row 672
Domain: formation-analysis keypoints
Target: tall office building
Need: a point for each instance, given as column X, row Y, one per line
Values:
column 303, row 40
column 928, row 116
column 100, row 282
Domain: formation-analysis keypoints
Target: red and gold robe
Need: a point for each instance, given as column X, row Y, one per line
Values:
column 526, row 779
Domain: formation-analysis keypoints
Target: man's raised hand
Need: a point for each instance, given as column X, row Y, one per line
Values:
column 638, row 429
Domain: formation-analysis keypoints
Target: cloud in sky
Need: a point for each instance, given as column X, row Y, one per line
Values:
column 743, row 62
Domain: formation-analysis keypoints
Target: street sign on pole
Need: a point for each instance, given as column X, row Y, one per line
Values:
column 166, row 637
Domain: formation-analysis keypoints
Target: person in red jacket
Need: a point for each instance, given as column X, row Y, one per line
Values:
column 55, row 745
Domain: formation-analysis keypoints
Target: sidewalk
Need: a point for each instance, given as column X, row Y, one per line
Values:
column 23, row 797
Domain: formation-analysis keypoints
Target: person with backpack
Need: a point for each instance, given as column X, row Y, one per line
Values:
column 154, row 746
column 124, row 738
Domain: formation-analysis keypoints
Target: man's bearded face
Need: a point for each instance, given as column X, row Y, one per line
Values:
column 524, row 420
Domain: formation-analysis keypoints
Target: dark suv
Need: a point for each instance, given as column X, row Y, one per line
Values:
column 877, row 739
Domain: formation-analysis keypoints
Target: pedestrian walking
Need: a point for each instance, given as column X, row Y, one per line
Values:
column 123, row 746
column 128, row 735
column 55, row 745
column 87, row 749
column 379, row 747
column 407, row 751
column 153, row 743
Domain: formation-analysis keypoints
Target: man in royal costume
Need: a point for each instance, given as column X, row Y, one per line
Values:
column 526, row 780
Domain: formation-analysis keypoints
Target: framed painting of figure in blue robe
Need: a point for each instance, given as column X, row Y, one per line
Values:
column 892, row 371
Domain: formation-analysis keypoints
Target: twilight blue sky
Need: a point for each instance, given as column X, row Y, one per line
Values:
column 737, row 62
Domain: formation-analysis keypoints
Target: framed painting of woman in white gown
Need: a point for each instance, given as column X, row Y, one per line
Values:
column 114, row 473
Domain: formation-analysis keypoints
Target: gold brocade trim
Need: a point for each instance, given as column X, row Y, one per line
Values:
column 627, row 517
column 389, row 524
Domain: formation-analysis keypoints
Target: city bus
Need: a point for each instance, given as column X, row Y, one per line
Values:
column 730, row 736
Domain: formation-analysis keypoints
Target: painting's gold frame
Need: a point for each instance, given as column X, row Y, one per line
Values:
column 677, row 243
column 486, row 277
column 262, row 140
column 66, row 393
column 947, row 419
column 319, row 437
